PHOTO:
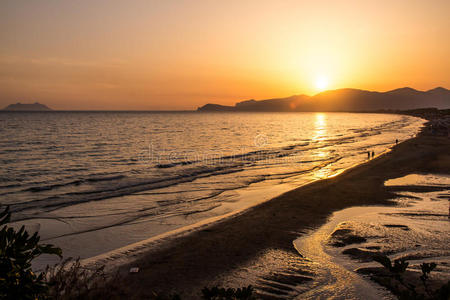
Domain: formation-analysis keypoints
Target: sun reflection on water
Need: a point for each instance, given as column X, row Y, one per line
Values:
column 322, row 153
column 320, row 127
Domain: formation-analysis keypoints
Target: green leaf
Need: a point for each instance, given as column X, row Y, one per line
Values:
column 50, row 249
column 400, row 266
column 5, row 216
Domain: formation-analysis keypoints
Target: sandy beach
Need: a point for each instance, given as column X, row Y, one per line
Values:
column 262, row 238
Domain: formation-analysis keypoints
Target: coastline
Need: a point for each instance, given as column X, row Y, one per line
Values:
column 190, row 262
column 121, row 256
column 237, row 200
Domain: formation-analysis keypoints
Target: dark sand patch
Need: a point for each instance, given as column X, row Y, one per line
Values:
column 404, row 227
column 361, row 254
column 345, row 235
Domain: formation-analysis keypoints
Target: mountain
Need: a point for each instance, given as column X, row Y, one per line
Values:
column 216, row 107
column 27, row 107
column 345, row 100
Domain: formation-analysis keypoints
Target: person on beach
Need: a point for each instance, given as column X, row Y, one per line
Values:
column 396, row 141
column 373, row 154
column 368, row 154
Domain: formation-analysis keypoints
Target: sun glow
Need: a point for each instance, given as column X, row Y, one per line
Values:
column 321, row 83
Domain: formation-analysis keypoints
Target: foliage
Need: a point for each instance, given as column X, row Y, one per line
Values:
column 17, row 250
column 157, row 296
column 426, row 270
column 217, row 293
column 70, row 280
column 399, row 266
column 409, row 292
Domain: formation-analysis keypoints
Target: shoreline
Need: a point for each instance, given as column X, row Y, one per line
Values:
column 252, row 194
column 118, row 257
column 115, row 258
column 190, row 262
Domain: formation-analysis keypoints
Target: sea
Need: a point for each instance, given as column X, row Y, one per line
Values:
column 94, row 182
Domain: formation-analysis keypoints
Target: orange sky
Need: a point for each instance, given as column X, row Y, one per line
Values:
column 114, row 54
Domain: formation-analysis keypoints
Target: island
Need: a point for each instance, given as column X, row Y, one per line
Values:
column 27, row 107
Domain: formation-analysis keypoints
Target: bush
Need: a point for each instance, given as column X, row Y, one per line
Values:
column 71, row 280
column 216, row 293
column 17, row 251
column 410, row 289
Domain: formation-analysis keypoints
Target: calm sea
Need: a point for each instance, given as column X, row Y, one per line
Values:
column 91, row 182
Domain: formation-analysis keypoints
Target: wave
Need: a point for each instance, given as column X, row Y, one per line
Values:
column 54, row 194
column 123, row 185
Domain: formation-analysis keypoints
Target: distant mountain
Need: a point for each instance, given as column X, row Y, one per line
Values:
column 216, row 107
column 27, row 107
column 351, row 100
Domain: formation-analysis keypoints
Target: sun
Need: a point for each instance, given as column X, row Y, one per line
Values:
column 321, row 83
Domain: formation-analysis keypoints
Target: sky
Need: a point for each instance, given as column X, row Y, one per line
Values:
column 178, row 55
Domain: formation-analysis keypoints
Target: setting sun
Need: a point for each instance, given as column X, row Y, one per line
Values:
column 321, row 83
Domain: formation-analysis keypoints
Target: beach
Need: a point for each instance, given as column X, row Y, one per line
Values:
column 141, row 176
column 257, row 244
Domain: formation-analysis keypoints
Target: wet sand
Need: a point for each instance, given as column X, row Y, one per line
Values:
column 416, row 229
column 257, row 245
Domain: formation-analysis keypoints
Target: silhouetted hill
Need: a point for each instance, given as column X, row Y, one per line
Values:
column 346, row 100
column 27, row 107
column 217, row 107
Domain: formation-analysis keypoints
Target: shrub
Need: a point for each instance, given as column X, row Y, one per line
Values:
column 409, row 290
column 17, row 250
column 216, row 293
column 71, row 280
